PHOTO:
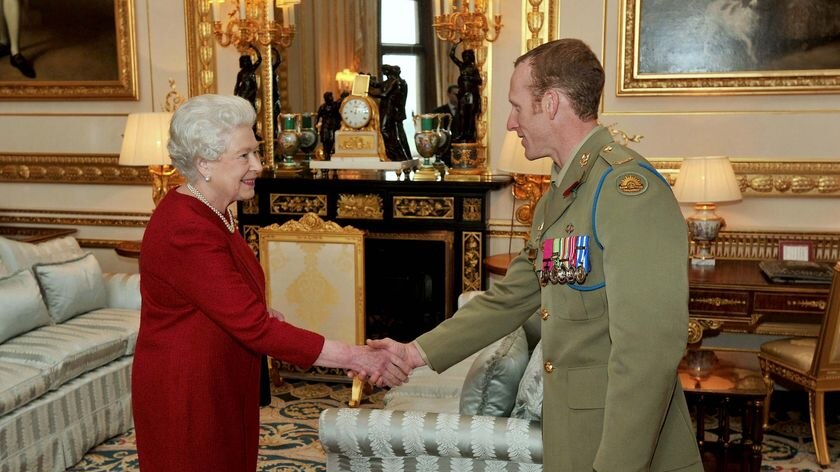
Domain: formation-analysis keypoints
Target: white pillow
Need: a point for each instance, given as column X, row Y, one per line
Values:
column 529, row 398
column 18, row 255
column 71, row 288
column 22, row 308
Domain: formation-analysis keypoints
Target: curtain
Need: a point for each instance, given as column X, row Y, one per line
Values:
column 331, row 35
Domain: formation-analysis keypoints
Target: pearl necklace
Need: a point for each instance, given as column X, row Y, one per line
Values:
column 229, row 224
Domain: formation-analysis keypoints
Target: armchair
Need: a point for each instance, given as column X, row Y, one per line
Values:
column 813, row 363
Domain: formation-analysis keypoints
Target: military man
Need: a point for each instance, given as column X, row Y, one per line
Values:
column 606, row 271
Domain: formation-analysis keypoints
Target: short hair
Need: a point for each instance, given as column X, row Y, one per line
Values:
column 570, row 66
column 202, row 128
column 451, row 88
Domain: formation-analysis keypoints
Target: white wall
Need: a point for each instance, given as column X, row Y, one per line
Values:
column 762, row 126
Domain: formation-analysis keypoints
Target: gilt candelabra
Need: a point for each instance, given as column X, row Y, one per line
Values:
column 268, row 25
column 468, row 21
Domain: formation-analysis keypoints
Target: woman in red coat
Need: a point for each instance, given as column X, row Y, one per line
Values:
column 204, row 322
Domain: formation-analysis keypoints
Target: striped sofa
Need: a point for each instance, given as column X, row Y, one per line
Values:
column 64, row 384
column 482, row 414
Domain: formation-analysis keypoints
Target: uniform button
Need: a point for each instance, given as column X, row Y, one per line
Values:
column 549, row 367
column 544, row 314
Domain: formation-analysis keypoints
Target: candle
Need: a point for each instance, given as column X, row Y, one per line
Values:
column 291, row 15
column 270, row 11
column 437, row 7
column 446, row 7
column 217, row 10
column 242, row 9
column 497, row 7
column 471, row 3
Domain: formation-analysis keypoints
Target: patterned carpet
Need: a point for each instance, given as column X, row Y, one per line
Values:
column 289, row 437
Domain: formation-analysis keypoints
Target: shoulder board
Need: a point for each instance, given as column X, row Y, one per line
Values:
column 616, row 155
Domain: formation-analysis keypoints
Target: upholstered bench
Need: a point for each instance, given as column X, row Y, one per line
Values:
column 67, row 336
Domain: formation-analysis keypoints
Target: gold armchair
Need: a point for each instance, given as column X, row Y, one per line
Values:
column 813, row 363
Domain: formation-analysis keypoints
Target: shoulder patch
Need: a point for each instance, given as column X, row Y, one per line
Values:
column 631, row 183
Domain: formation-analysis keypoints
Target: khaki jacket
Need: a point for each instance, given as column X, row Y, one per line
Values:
column 611, row 345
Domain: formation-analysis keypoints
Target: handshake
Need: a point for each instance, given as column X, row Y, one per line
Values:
column 383, row 362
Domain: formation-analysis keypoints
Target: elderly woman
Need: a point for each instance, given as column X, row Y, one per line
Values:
column 204, row 322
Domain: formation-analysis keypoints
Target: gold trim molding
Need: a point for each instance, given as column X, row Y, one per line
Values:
column 73, row 218
column 297, row 204
column 763, row 245
column 430, row 208
column 765, row 178
column 471, row 262
column 69, row 169
column 360, row 206
column 201, row 58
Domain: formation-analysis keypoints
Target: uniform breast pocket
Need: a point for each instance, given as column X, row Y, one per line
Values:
column 581, row 305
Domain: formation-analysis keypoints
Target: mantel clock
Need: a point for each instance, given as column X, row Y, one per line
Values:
column 359, row 135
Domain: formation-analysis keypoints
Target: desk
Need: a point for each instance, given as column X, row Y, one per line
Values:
column 734, row 296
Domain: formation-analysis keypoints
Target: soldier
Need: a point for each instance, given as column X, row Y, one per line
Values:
column 606, row 271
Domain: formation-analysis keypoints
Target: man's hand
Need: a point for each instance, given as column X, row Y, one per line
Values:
column 380, row 367
column 407, row 353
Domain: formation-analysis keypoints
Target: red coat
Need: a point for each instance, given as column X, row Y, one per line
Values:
column 203, row 326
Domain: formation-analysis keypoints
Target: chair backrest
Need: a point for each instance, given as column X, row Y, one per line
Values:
column 827, row 355
column 315, row 275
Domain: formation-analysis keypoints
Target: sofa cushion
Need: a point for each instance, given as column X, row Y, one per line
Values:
column 121, row 321
column 20, row 384
column 529, row 397
column 18, row 255
column 72, row 287
column 491, row 383
column 22, row 307
column 63, row 352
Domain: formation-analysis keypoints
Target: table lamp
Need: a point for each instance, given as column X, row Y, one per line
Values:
column 529, row 177
column 705, row 181
column 144, row 144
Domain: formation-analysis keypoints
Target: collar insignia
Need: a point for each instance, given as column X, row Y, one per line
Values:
column 584, row 159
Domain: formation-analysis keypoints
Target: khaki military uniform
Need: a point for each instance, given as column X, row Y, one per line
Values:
column 612, row 343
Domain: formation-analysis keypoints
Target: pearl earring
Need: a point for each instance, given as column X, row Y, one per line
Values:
column 207, row 178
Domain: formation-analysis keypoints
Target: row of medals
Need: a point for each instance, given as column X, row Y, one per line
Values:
column 559, row 269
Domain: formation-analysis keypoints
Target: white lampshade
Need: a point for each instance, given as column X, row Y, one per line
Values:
column 708, row 179
column 145, row 138
column 513, row 160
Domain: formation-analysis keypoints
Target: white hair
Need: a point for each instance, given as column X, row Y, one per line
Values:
column 202, row 127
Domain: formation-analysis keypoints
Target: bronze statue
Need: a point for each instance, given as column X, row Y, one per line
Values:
column 392, row 100
column 275, row 88
column 469, row 95
column 246, row 79
column 329, row 120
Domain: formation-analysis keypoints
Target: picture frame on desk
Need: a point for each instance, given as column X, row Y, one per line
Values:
column 796, row 251
column 727, row 47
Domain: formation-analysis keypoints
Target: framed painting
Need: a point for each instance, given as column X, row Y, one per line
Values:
column 78, row 49
column 719, row 47
column 315, row 276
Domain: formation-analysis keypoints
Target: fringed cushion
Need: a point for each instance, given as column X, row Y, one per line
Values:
column 529, row 397
column 491, row 384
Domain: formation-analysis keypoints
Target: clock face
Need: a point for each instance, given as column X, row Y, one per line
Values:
column 355, row 112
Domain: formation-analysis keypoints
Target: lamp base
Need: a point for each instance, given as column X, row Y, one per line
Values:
column 704, row 227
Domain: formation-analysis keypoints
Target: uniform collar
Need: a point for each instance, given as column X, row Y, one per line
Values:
column 567, row 178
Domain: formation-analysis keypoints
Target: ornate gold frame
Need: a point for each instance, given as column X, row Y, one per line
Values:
column 765, row 178
column 631, row 82
column 124, row 88
column 69, row 169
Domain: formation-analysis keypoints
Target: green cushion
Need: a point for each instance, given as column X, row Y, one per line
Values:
column 22, row 308
column 529, row 398
column 71, row 288
column 491, row 383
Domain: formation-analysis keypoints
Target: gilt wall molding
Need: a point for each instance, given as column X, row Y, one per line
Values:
column 766, row 178
column 62, row 168
column 15, row 216
column 201, row 58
